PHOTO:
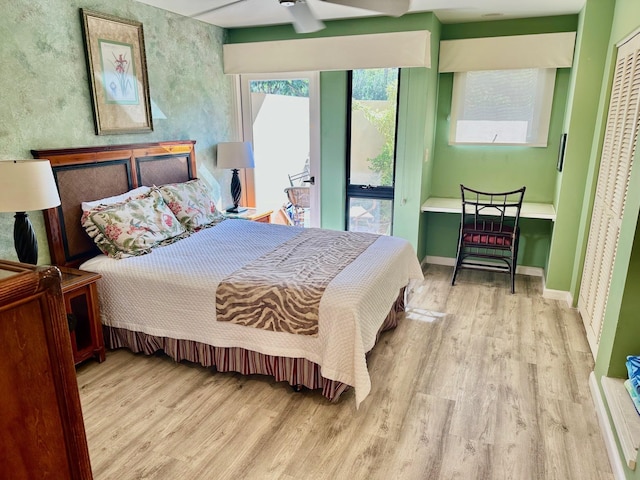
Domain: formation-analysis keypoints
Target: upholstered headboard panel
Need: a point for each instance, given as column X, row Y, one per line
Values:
column 91, row 173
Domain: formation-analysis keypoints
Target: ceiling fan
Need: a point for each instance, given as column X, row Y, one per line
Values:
column 304, row 20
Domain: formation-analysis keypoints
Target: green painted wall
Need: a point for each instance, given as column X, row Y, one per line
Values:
column 496, row 168
column 333, row 125
column 623, row 295
column 430, row 136
column 334, row 28
column 45, row 93
column 426, row 163
column 441, row 231
column 501, row 28
column 581, row 120
column 621, row 326
column 415, row 122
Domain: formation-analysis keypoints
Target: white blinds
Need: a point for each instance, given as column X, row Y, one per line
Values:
column 379, row 50
column 548, row 50
column 611, row 192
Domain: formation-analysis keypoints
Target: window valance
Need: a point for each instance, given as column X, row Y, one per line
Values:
column 378, row 50
column 547, row 50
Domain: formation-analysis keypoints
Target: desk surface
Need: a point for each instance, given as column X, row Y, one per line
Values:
column 454, row 205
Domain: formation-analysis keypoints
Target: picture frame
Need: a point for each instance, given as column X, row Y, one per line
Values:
column 563, row 144
column 117, row 70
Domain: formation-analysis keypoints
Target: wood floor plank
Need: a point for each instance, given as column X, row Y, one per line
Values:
column 464, row 459
column 418, row 451
column 475, row 383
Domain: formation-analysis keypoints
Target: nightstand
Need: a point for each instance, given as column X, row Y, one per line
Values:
column 81, row 303
column 253, row 215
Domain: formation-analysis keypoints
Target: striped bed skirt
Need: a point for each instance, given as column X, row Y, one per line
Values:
column 297, row 371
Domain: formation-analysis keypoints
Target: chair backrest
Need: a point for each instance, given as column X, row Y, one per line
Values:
column 298, row 179
column 491, row 211
column 298, row 196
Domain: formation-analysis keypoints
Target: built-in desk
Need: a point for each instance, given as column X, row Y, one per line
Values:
column 544, row 211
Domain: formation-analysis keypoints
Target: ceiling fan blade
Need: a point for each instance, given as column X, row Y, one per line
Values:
column 219, row 7
column 304, row 21
column 394, row 8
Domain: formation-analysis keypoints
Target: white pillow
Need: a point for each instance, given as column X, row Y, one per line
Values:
column 123, row 197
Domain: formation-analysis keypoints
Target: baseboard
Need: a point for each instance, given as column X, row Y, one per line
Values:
column 607, row 432
column 531, row 271
column 450, row 262
column 447, row 261
column 521, row 270
column 558, row 295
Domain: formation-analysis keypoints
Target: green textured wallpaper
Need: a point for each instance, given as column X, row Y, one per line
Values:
column 45, row 98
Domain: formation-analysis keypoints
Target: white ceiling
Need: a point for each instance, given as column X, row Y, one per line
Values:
column 248, row 13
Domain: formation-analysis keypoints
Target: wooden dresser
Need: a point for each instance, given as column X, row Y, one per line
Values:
column 41, row 427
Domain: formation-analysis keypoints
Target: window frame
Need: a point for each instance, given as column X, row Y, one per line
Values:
column 385, row 192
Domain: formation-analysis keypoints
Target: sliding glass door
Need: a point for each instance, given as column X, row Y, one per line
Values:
column 280, row 116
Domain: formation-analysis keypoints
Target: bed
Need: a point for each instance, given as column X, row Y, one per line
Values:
column 186, row 298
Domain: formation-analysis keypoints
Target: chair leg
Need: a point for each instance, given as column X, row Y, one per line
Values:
column 514, row 263
column 456, row 267
column 513, row 278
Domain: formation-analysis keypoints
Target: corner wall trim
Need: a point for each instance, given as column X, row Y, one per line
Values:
column 605, row 427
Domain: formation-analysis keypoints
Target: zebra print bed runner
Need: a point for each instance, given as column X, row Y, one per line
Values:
column 281, row 290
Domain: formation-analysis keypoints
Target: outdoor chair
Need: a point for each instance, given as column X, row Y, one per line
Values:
column 299, row 199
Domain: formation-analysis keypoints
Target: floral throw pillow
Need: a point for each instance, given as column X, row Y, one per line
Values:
column 191, row 204
column 133, row 227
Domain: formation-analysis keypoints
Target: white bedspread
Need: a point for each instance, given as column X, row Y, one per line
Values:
column 171, row 293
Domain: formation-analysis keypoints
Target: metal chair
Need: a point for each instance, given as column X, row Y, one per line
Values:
column 299, row 199
column 489, row 231
column 298, row 179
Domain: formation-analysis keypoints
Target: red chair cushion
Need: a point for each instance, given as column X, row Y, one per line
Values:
column 471, row 234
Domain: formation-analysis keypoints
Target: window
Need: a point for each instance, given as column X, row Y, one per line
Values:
column 502, row 107
column 372, row 119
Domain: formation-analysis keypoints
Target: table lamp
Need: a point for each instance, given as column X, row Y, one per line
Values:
column 235, row 155
column 26, row 185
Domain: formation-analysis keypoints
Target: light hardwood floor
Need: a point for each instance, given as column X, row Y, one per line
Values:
column 475, row 383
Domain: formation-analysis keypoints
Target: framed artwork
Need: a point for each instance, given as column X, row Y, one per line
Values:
column 117, row 71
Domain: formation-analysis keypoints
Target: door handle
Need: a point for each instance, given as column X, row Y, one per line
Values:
column 311, row 181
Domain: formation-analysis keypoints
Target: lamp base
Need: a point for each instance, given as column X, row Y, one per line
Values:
column 24, row 239
column 237, row 209
column 236, row 192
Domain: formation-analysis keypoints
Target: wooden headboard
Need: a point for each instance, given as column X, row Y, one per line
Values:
column 90, row 173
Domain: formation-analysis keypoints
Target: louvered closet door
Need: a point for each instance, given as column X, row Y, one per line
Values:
column 611, row 191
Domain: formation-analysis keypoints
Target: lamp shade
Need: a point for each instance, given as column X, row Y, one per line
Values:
column 235, row 155
column 27, row 185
